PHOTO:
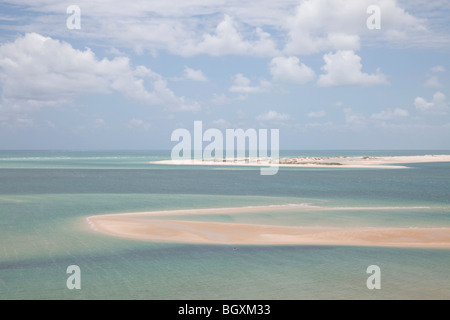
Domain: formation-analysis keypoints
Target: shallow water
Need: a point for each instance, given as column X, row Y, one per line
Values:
column 45, row 198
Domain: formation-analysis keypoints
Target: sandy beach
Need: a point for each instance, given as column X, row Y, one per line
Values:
column 147, row 226
column 312, row 162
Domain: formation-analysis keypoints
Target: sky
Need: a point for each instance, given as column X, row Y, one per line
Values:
column 329, row 74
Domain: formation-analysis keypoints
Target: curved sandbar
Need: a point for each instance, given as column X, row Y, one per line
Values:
column 139, row 226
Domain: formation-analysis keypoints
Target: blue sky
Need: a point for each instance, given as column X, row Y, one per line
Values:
column 137, row 70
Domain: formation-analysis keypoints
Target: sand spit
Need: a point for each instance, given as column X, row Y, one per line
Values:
column 140, row 226
column 313, row 162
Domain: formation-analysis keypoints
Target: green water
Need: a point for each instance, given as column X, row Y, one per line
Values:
column 46, row 196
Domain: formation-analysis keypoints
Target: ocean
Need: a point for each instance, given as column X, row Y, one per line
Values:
column 46, row 196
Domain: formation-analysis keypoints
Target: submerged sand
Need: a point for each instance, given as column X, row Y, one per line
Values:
column 312, row 162
column 147, row 226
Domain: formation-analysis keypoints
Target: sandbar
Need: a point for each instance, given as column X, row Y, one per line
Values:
column 139, row 226
column 389, row 162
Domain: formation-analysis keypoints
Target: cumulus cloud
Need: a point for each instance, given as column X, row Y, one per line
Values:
column 194, row 75
column 323, row 25
column 228, row 40
column 139, row 124
column 317, row 114
column 353, row 118
column 433, row 82
column 256, row 28
column 272, row 115
column 38, row 71
column 290, row 70
column 220, row 99
column 437, row 106
column 344, row 68
column 438, row 69
column 390, row 114
column 242, row 84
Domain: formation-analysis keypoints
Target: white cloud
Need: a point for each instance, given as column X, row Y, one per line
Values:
column 98, row 123
column 214, row 27
column 323, row 25
column 317, row 114
column 228, row 40
column 422, row 105
column 195, row 75
column 272, row 115
column 342, row 41
column 50, row 124
column 353, row 118
column 242, row 84
column 437, row 106
column 115, row 52
column 220, row 99
column 433, row 82
column 343, row 68
column 139, row 124
column 290, row 70
column 38, row 71
column 11, row 120
column 438, row 69
column 327, row 124
column 221, row 123
column 390, row 114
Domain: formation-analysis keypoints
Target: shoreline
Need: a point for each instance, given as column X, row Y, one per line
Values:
column 392, row 162
column 135, row 226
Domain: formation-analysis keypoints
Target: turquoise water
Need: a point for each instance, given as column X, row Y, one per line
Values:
column 45, row 197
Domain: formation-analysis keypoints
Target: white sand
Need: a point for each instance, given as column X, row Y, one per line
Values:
column 139, row 226
column 311, row 162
